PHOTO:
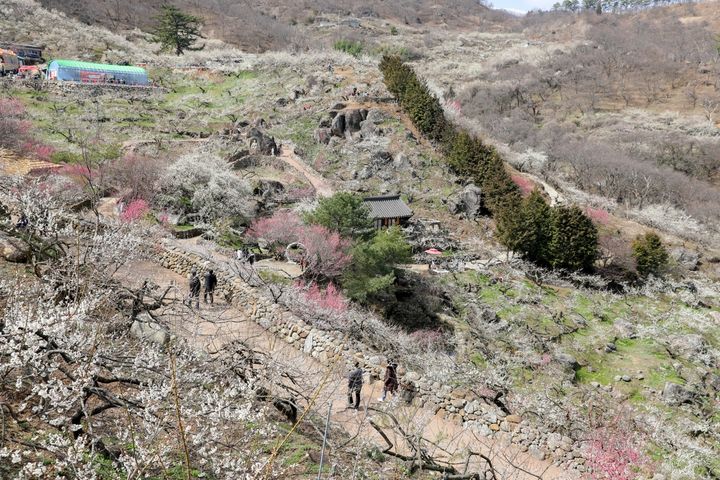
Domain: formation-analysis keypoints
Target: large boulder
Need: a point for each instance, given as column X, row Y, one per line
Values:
column 147, row 329
column 337, row 127
column 686, row 258
column 354, row 119
column 674, row 394
column 694, row 346
column 467, row 203
column 567, row 361
column 13, row 249
column 261, row 143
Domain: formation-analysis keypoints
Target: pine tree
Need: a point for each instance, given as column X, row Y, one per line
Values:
column 573, row 239
column 650, row 254
column 176, row 30
column 535, row 232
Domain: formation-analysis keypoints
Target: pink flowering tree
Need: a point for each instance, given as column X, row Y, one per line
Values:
column 281, row 229
column 327, row 254
column 598, row 215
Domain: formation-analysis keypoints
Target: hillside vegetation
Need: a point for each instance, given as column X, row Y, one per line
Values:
column 563, row 166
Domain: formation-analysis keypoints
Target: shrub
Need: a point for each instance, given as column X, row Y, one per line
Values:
column 349, row 46
column 14, row 128
column 650, row 255
column 329, row 299
column 345, row 213
column 204, row 189
column 372, row 270
column 134, row 176
column 573, row 239
column 529, row 229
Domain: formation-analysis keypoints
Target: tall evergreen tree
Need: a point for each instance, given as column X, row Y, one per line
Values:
column 574, row 238
column 535, row 233
column 177, row 30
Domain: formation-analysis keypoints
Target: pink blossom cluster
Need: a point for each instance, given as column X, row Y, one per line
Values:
column 613, row 455
column 326, row 253
column 598, row 215
column 329, row 299
column 525, row 184
column 134, row 210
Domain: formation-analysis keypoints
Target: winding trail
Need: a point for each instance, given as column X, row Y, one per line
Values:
column 321, row 186
column 323, row 383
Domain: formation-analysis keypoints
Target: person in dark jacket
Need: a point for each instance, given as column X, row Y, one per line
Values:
column 355, row 382
column 210, row 283
column 194, row 289
column 390, row 384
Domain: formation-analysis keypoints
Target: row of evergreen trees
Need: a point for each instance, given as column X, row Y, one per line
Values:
column 560, row 237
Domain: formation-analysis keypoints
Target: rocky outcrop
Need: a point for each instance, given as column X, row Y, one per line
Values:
column 466, row 203
column 13, row 249
column 686, row 258
column 674, row 394
column 346, row 121
column 261, row 143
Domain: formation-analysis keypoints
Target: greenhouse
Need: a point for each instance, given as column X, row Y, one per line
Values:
column 85, row 72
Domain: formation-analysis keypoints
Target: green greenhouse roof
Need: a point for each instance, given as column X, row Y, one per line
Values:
column 100, row 66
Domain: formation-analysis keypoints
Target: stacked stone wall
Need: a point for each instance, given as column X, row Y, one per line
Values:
column 458, row 405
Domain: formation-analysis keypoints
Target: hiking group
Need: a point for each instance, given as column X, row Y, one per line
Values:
column 209, row 284
column 355, row 383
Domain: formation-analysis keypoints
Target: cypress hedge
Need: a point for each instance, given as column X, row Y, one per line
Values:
column 561, row 237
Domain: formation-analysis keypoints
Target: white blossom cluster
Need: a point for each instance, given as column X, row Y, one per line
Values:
column 79, row 394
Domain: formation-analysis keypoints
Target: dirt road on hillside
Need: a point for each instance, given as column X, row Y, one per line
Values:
column 216, row 325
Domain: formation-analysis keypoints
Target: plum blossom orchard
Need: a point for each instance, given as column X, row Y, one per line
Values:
column 78, row 390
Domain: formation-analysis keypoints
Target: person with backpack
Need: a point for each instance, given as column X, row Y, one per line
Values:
column 210, row 284
column 390, row 384
column 194, row 289
column 355, row 382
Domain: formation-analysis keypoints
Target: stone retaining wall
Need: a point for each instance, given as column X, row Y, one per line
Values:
column 457, row 405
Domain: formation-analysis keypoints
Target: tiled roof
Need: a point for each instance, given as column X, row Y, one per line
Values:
column 390, row 206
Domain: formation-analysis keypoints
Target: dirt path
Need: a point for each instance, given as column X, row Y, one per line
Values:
column 216, row 325
column 322, row 187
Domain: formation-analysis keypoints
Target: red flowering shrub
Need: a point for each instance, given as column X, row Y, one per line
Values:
column 330, row 299
column 134, row 210
column 598, row 215
column 14, row 128
column 613, row 453
column 526, row 185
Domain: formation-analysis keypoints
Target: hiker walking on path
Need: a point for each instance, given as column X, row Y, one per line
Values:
column 390, row 384
column 240, row 255
column 194, row 289
column 355, row 382
column 210, row 283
